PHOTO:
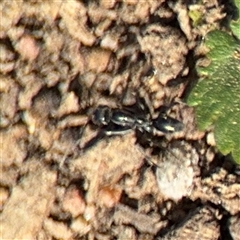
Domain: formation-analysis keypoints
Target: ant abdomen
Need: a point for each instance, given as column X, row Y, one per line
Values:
column 166, row 124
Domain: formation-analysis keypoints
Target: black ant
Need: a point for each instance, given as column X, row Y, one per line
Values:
column 116, row 121
column 121, row 121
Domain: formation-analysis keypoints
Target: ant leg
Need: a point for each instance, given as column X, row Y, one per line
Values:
column 114, row 130
column 110, row 130
column 93, row 141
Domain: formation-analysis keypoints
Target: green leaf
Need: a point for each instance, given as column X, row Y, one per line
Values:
column 235, row 24
column 196, row 16
column 217, row 95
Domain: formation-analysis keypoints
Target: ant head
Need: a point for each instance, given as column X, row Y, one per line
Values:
column 101, row 116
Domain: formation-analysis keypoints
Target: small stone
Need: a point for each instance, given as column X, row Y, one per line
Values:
column 69, row 105
column 27, row 47
column 73, row 202
column 175, row 174
column 109, row 197
column 3, row 196
column 210, row 139
column 80, row 226
column 57, row 230
column 90, row 212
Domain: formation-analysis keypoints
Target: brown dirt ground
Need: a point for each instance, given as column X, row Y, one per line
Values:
column 60, row 60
